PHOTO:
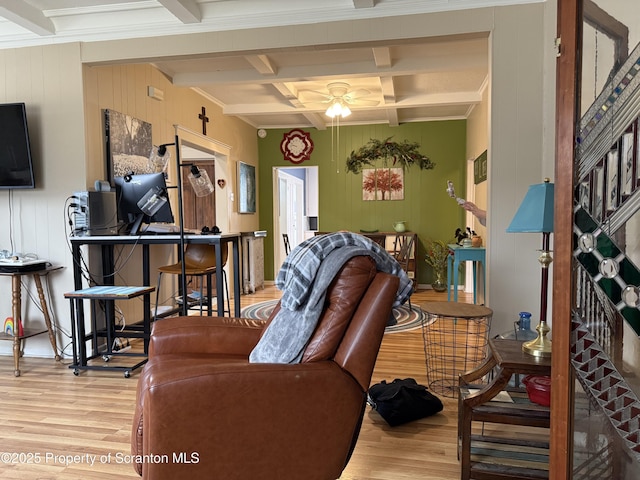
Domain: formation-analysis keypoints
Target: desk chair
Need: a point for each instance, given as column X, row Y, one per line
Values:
column 200, row 261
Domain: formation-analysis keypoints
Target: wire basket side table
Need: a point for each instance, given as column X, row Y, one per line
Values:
column 456, row 338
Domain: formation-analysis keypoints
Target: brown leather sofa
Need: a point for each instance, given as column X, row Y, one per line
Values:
column 204, row 412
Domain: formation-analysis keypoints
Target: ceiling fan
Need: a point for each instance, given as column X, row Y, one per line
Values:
column 339, row 98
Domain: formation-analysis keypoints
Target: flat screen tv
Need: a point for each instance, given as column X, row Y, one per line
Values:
column 16, row 166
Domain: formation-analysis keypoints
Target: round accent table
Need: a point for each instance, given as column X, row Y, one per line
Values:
column 455, row 337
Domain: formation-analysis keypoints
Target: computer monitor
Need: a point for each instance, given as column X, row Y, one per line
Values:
column 130, row 189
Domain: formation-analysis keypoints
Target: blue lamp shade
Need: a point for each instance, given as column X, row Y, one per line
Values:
column 535, row 214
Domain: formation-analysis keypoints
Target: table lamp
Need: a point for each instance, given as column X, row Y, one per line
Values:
column 535, row 215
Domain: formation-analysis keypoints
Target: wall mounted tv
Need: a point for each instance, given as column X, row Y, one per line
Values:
column 16, row 166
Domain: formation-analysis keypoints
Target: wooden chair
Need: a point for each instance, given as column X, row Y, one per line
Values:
column 287, row 245
column 402, row 252
column 378, row 238
column 404, row 245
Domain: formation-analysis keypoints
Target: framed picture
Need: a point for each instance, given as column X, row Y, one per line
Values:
column 613, row 179
column 480, row 168
column 383, row 184
column 246, row 188
column 597, row 193
column 627, row 180
column 128, row 145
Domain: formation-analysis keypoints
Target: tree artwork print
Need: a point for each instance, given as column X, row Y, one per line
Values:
column 382, row 184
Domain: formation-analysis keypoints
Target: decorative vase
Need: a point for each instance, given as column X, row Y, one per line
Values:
column 439, row 284
column 466, row 243
column 399, row 227
column 476, row 241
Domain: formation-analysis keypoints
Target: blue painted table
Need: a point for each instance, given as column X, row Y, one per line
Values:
column 459, row 254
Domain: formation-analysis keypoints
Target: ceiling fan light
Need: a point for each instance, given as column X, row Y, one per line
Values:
column 331, row 111
column 338, row 108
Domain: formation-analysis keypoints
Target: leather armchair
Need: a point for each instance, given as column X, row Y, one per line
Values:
column 204, row 412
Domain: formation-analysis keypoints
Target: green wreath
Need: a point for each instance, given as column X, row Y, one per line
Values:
column 402, row 154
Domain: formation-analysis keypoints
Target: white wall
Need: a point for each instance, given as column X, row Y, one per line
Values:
column 521, row 139
column 49, row 80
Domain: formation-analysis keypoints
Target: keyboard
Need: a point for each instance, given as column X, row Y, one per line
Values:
column 165, row 229
column 160, row 228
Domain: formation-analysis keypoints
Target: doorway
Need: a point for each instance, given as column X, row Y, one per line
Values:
column 199, row 212
column 295, row 191
column 212, row 156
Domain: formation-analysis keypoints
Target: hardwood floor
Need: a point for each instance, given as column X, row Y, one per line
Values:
column 54, row 424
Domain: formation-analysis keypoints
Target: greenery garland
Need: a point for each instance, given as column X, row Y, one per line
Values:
column 402, row 154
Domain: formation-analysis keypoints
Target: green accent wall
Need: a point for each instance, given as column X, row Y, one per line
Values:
column 426, row 208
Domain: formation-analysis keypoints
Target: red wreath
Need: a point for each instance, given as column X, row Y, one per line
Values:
column 296, row 146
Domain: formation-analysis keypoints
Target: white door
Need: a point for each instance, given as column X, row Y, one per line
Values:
column 289, row 214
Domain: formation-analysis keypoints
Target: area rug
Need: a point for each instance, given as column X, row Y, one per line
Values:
column 406, row 319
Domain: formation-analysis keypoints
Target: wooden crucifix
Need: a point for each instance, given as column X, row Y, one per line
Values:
column 203, row 116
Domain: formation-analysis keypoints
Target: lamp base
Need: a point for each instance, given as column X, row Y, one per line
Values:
column 541, row 345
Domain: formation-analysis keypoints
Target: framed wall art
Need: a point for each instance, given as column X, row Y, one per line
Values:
column 296, row 146
column 246, row 188
column 128, row 144
column 480, row 168
column 383, row 184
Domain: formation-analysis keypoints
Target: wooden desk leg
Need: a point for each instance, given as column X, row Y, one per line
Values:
column 16, row 291
column 47, row 318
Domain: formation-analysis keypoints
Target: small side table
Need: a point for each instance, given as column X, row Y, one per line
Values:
column 455, row 339
column 459, row 254
column 506, row 358
column 16, row 291
column 108, row 293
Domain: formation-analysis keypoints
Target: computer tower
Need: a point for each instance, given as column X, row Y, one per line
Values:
column 95, row 213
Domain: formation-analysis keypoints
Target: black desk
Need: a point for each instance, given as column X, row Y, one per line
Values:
column 107, row 242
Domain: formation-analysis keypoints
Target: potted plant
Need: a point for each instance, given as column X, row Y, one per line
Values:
column 437, row 257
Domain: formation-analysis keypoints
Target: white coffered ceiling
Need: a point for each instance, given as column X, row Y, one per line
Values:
column 424, row 79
